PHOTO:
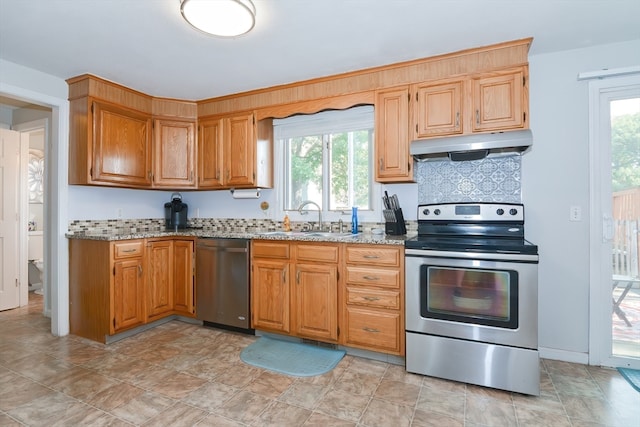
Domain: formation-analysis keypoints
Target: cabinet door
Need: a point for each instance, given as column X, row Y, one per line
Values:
column 183, row 277
column 174, row 154
column 128, row 295
column 437, row 110
column 121, row 146
column 159, row 278
column 498, row 101
column 270, row 298
column 239, row 152
column 393, row 162
column 210, row 145
column 316, row 301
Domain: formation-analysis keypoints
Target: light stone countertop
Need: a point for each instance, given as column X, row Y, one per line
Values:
column 362, row 238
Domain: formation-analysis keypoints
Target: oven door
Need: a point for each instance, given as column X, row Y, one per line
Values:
column 490, row 298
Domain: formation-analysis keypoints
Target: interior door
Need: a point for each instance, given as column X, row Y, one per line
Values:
column 615, row 168
column 9, row 219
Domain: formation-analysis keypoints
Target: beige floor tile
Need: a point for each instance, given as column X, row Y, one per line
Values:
column 442, row 402
column 143, row 407
column 21, row 391
column 397, row 392
column 210, row 396
column 303, row 394
column 280, row 414
column 244, row 407
column 490, row 412
column 46, row 410
column 321, row 420
column 579, row 386
column 7, row 421
column 381, row 413
column 367, row 366
column 530, row 418
column 178, row 385
column 590, row 409
column 158, row 354
column 178, row 415
column 38, row 368
column 114, row 396
column 239, row 375
column 215, row 420
column 399, row 373
column 270, row 384
column 343, row 405
column 357, row 383
column 444, row 385
column 435, row 419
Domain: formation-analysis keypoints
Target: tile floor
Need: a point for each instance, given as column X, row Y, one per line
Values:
column 183, row 375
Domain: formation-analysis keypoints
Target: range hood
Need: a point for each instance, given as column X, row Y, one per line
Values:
column 471, row 147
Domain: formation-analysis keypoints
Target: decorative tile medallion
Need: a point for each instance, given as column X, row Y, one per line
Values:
column 493, row 179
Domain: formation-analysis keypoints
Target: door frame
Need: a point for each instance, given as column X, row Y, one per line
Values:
column 56, row 213
column 600, row 303
column 25, row 129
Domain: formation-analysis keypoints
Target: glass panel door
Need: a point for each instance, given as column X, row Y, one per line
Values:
column 625, row 202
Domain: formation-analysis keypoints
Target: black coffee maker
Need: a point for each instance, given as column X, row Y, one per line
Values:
column 175, row 213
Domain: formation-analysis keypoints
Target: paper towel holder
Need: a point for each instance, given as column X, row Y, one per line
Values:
column 253, row 193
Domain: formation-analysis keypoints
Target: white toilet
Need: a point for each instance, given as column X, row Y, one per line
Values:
column 36, row 263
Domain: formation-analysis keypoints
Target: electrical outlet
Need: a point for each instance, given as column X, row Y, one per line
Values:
column 575, row 213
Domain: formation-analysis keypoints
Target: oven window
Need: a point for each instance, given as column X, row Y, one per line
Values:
column 477, row 296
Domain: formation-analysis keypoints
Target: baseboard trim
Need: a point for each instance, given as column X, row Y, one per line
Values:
column 564, row 355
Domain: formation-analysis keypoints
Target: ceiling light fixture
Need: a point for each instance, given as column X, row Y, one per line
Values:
column 224, row 18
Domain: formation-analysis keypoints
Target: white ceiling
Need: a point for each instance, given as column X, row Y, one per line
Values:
column 146, row 45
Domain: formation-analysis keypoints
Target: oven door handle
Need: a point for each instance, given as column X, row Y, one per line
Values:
column 498, row 256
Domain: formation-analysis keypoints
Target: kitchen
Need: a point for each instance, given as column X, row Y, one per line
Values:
column 558, row 105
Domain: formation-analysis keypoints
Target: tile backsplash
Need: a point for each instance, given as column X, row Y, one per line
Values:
column 492, row 179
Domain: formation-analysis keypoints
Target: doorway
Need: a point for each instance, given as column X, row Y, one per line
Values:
column 615, row 220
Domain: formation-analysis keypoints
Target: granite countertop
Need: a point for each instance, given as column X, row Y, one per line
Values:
column 368, row 238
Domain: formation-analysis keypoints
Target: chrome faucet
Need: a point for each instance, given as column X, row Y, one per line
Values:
column 309, row 202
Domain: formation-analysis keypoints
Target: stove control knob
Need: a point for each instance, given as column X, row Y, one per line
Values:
column 437, row 212
column 500, row 211
column 513, row 211
column 426, row 211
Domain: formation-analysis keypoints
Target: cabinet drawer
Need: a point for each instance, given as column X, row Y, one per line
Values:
column 127, row 249
column 316, row 252
column 374, row 329
column 373, row 297
column 373, row 277
column 267, row 249
column 380, row 256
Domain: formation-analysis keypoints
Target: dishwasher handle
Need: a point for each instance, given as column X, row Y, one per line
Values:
column 222, row 249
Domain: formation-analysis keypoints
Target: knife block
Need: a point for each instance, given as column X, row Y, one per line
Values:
column 394, row 224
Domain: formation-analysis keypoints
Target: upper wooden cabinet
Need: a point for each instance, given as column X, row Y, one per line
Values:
column 109, row 145
column 500, row 100
column 235, row 151
column 174, row 154
column 393, row 162
column 438, row 109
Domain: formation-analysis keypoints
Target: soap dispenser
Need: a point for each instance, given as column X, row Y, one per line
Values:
column 286, row 225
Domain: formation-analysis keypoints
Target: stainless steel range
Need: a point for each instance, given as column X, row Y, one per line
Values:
column 472, row 296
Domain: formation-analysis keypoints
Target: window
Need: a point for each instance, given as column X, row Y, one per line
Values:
column 327, row 159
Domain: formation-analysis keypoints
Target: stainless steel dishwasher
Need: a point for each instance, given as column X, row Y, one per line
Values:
column 222, row 283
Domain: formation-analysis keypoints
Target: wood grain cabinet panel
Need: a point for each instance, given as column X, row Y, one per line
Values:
column 438, row 109
column 174, row 154
column 121, row 146
column 270, row 297
column 373, row 298
column 316, row 301
column 499, row 100
column 392, row 160
column 210, row 144
column 117, row 286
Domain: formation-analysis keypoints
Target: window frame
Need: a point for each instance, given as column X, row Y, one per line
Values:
column 301, row 125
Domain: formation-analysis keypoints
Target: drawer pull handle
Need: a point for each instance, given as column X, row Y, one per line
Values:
column 370, row 278
column 128, row 251
column 371, row 298
column 371, row 257
column 371, row 330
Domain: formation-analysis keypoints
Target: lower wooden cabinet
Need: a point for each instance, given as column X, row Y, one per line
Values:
column 116, row 286
column 294, row 288
column 373, row 295
column 350, row 294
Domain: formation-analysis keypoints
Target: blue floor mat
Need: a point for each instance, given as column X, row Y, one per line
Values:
column 632, row 376
column 301, row 360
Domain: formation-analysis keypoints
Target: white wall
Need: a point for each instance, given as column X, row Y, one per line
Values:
column 555, row 177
